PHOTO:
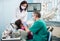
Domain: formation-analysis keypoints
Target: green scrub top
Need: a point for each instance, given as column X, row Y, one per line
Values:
column 39, row 31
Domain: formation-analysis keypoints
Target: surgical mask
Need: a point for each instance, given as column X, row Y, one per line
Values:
column 23, row 7
column 33, row 19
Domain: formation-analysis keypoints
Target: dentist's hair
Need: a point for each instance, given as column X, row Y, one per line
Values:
column 23, row 2
column 37, row 14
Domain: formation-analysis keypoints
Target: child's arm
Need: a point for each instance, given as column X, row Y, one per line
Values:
column 26, row 29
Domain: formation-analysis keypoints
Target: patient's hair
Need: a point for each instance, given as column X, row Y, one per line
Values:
column 18, row 23
column 37, row 14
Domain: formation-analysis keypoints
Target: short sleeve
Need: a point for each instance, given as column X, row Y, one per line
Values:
column 35, row 27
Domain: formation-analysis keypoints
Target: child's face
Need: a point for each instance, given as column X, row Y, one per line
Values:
column 21, row 25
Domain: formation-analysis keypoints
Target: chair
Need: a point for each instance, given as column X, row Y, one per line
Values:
column 49, row 36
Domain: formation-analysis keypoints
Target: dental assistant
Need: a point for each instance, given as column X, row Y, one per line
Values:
column 22, row 11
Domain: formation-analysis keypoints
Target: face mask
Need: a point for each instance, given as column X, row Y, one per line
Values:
column 33, row 19
column 23, row 7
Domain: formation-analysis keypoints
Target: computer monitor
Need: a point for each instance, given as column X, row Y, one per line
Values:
column 33, row 7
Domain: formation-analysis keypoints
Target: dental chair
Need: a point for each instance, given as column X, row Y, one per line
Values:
column 49, row 36
column 50, row 29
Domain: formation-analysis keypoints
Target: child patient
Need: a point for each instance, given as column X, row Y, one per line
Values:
column 20, row 25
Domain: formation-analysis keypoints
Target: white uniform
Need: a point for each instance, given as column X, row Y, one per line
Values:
column 21, row 15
